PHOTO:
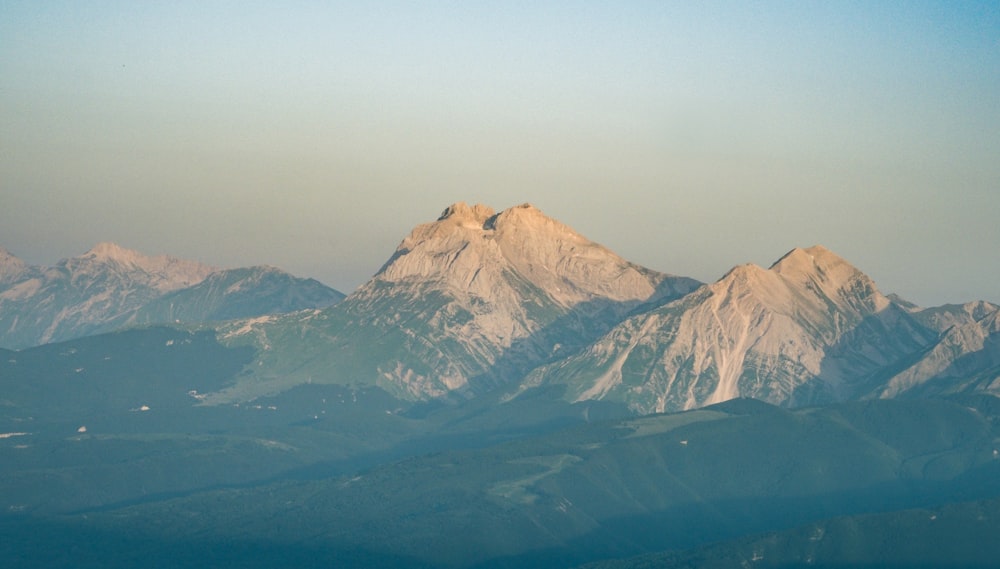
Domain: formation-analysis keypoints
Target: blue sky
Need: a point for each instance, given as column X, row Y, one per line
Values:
column 688, row 137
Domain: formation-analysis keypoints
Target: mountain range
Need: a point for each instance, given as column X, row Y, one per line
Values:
column 468, row 302
column 478, row 301
column 810, row 329
column 110, row 287
column 503, row 392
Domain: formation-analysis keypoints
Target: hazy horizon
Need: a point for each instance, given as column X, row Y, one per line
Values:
column 686, row 138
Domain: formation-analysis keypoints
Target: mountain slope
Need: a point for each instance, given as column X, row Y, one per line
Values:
column 237, row 293
column 116, row 418
column 109, row 287
column 602, row 490
column 956, row 536
column 965, row 358
column 88, row 294
column 810, row 329
column 467, row 302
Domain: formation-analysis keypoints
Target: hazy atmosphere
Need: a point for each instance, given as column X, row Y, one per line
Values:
column 687, row 138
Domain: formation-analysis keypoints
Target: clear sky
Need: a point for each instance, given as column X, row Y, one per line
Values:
column 687, row 136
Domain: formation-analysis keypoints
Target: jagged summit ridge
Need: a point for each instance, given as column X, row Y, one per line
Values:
column 820, row 266
column 486, row 216
column 801, row 264
column 805, row 282
column 801, row 257
column 462, row 211
column 107, row 250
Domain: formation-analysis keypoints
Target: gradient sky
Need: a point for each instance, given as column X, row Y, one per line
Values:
column 688, row 137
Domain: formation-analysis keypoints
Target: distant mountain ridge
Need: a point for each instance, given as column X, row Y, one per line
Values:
column 237, row 293
column 512, row 302
column 109, row 287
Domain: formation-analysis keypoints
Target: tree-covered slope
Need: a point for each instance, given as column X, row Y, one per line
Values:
column 605, row 490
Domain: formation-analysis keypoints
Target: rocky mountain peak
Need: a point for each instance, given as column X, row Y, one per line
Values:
column 822, row 271
column 107, row 251
column 462, row 212
column 526, row 222
column 980, row 309
column 11, row 267
column 470, row 248
column 815, row 260
column 812, row 285
column 7, row 260
column 811, row 328
column 747, row 272
column 484, row 217
column 474, row 299
column 815, row 267
column 6, row 256
column 941, row 318
column 523, row 213
column 162, row 272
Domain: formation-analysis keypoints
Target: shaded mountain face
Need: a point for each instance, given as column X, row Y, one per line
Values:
column 109, row 287
column 238, row 293
column 472, row 300
column 810, row 329
column 966, row 357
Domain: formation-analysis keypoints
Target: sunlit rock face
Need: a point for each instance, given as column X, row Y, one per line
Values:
column 809, row 329
column 469, row 301
column 469, row 249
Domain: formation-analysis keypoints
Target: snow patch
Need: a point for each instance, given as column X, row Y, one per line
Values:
column 10, row 435
column 247, row 326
